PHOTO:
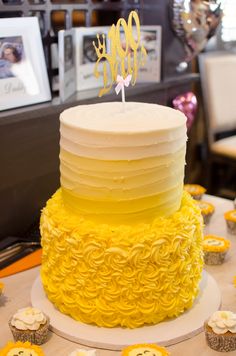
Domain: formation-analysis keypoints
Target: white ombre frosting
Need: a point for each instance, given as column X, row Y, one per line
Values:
column 116, row 162
column 104, row 131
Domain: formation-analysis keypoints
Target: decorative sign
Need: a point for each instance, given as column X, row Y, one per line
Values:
column 120, row 61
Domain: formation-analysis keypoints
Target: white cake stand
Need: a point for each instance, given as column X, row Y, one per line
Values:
column 165, row 333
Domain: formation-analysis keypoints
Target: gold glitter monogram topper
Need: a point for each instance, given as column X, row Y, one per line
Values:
column 123, row 59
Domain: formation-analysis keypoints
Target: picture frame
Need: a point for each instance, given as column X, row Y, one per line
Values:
column 67, row 71
column 150, row 38
column 85, row 57
column 23, row 73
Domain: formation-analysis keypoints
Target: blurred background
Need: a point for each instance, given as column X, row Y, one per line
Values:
column 197, row 76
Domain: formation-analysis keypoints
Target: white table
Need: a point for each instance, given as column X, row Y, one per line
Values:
column 17, row 295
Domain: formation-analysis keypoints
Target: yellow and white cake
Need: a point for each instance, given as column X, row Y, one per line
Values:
column 122, row 241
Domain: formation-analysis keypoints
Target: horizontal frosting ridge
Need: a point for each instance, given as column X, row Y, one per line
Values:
column 122, row 162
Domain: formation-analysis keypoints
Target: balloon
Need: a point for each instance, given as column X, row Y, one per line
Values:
column 187, row 103
column 195, row 22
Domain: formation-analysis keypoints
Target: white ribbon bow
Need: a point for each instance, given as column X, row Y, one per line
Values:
column 122, row 82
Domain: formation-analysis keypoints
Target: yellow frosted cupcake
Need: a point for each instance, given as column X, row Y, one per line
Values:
column 220, row 331
column 29, row 324
column 21, row 349
column 195, row 190
column 207, row 210
column 144, row 350
column 215, row 249
column 230, row 218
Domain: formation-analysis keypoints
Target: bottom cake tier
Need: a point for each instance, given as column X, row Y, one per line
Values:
column 121, row 275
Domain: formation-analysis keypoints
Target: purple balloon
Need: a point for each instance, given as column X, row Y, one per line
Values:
column 187, row 104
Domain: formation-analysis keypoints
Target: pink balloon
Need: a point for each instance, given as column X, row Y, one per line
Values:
column 187, row 103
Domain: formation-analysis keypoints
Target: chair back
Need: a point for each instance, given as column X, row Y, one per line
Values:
column 218, row 81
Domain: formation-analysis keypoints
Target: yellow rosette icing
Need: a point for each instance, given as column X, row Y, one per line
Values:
column 21, row 349
column 145, row 350
column 213, row 243
column 126, row 275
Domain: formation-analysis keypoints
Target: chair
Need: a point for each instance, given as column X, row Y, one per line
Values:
column 218, row 81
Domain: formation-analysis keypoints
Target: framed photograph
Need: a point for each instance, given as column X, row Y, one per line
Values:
column 23, row 73
column 150, row 38
column 67, row 73
column 86, row 57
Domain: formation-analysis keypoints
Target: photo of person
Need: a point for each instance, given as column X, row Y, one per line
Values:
column 11, row 52
column 68, row 52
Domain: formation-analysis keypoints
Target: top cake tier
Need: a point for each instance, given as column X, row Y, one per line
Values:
column 122, row 164
column 105, row 131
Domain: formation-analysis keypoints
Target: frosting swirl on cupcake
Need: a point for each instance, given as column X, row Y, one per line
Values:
column 230, row 215
column 213, row 243
column 206, row 208
column 145, row 350
column 223, row 321
column 194, row 189
column 21, row 349
column 28, row 319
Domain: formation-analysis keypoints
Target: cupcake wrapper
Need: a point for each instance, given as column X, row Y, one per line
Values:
column 37, row 337
column 214, row 258
column 222, row 343
column 207, row 218
column 231, row 227
column 197, row 197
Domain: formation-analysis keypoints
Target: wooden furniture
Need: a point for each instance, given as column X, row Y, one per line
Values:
column 17, row 295
column 218, row 76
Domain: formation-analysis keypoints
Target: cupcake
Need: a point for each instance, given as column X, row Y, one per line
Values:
column 21, row 349
column 29, row 324
column 220, row 331
column 144, row 350
column 215, row 249
column 230, row 218
column 195, row 190
column 82, row 352
column 207, row 210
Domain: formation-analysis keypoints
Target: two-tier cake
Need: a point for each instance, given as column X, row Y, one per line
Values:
column 122, row 241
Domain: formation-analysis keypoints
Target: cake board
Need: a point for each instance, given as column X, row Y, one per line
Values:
column 166, row 333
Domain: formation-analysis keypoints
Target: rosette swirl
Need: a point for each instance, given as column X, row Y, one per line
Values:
column 121, row 275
